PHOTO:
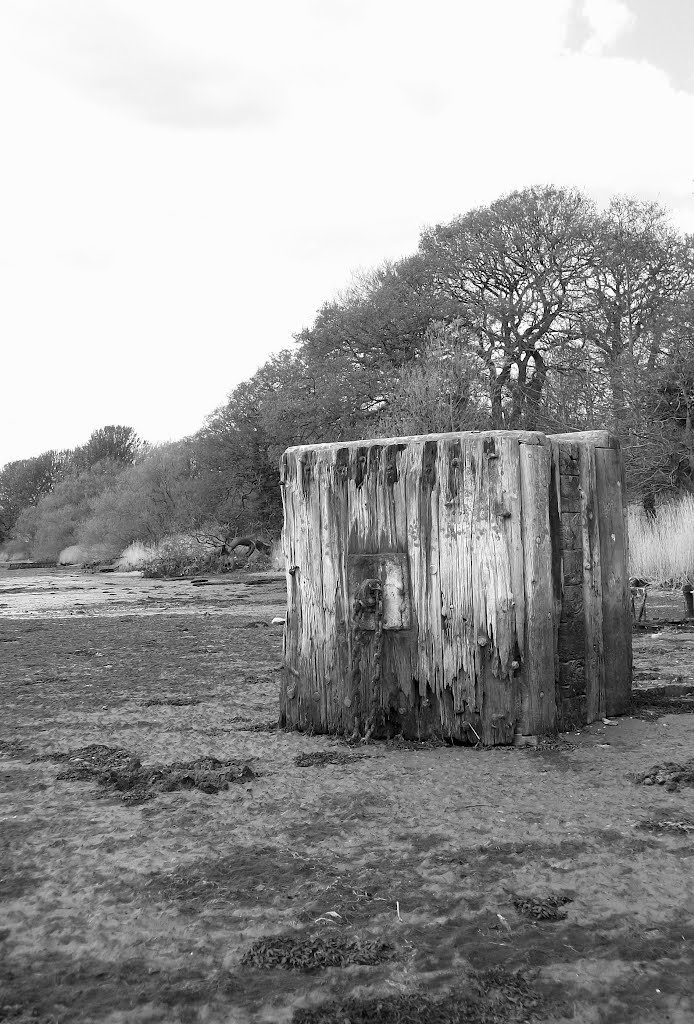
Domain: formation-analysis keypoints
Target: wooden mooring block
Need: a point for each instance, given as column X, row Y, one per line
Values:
column 471, row 586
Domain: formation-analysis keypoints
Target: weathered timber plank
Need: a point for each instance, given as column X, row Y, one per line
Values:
column 312, row 666
column 593, row 582
column 418, row 530
column 302, row 612
column 429, row 495
column 592, row 438
column 400, row 653
column 365, row 535
column 494, row 614
column 554, row 502
column 524, row 436
column 615, row 581
column 324, row 642
column 333, row 524
column 511, row 524
column 570, row 668
column 539, row 712
column 455, row 561
column 291, row 628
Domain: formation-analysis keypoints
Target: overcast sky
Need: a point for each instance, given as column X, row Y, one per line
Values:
column 184, row 182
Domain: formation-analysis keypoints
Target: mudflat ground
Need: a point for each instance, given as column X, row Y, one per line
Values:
column 166, row 855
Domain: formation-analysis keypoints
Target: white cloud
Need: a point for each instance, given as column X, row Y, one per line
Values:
column 110, row 52
column 608, row 19
column 184, row 183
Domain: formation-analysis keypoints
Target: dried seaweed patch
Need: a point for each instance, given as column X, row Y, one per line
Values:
column 494, row 996
column 294, row 952
column 119, row 772
column 669, row 774
column 319, row 758
column 679, row 826
column 541, row 908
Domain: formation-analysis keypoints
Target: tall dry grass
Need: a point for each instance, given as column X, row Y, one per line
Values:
column 136, row 555
column 661, row 550
column 277, row 555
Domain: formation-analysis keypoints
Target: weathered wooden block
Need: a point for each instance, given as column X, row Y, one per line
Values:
column 494, row 581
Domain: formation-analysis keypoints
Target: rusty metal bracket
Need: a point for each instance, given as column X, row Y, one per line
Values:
column 391, row 571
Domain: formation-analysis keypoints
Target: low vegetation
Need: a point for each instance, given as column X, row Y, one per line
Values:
column 661, row 548
column 539, row 312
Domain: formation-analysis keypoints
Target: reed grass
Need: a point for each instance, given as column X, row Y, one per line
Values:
column 661, row 550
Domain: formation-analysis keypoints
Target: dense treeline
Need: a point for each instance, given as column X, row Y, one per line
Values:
column 537, row 312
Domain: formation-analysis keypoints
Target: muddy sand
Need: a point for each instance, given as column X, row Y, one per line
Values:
column 167, row 855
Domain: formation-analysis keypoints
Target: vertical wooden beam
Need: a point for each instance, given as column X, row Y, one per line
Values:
column 332, row 481
column 593, row 565
column 615, row 580
column 494, row 614
column 538, row 705
column 511, row 525
column 571, row 672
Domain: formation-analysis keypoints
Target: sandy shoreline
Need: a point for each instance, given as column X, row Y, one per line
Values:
column 110, row 912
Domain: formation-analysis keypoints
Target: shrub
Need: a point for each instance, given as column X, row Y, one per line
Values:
column 180, row 555
column 14, row 551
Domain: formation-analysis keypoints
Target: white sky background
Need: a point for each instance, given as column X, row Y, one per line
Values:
column 184, row 182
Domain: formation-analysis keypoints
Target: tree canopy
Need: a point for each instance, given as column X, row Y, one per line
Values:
column 539, row 311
